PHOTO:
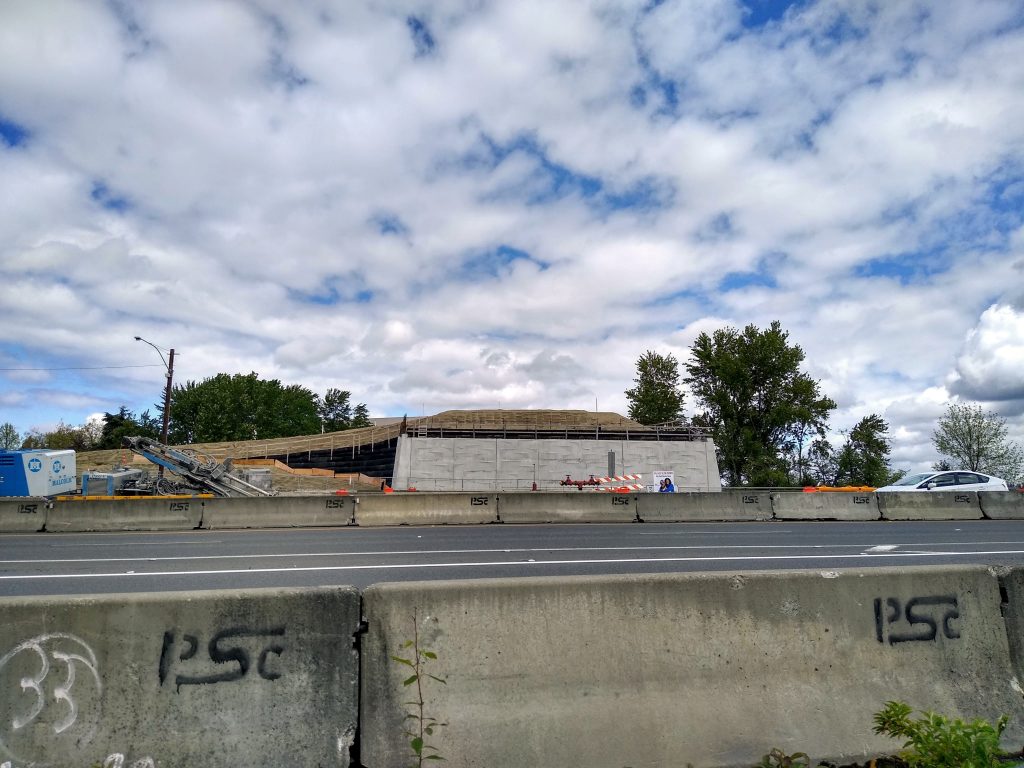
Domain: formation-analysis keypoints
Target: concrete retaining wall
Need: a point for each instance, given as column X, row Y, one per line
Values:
column 22, row 515
column 479, row 464
column 213, row 679
column 279, row 512
column 825, row 506
column 427, row 509
column 675, row 507
column 941, row 505
column 997, row 505
column 708, row 669
column 569, row 507
column 142, row 514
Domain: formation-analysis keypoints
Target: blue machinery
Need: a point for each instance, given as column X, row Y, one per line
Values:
column 195, row 468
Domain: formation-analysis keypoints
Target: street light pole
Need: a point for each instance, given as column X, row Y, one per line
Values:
column 169, row 368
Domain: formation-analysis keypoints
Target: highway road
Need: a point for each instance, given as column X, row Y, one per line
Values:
column 66, row 564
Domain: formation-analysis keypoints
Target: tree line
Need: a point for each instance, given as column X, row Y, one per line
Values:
column 770, row 421
column 225, row 407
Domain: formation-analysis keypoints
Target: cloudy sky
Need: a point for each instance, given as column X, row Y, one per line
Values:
column 464, row 204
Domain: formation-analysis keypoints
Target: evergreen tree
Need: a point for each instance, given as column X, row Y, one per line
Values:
column 656, row 398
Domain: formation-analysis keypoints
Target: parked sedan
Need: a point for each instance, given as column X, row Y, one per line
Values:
column 947, row 481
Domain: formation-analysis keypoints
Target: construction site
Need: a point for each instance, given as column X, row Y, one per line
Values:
column 479, row 450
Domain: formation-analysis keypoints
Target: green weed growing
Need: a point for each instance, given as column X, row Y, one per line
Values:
column 935, row 741
column 422, row 725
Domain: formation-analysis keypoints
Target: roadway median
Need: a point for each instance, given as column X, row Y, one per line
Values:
column 567, row 507
column 213, row 679
column 827, row 505
column 23, row 515
column 279, row 512
column 421, row 508
column 659, row 670
column 685, row 507
column 1002, row 505
column 933, row 505
column 141, row 513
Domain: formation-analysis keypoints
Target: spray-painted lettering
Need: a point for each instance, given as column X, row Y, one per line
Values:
column 922, row 616
column 57, row 679
column 231, row 647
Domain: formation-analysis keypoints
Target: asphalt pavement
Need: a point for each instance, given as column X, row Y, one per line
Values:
column 68, row 564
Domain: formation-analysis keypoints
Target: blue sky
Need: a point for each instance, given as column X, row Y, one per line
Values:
column 466, row 204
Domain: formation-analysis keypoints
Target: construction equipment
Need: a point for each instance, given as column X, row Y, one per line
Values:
column 199, row 470
column 37, row 472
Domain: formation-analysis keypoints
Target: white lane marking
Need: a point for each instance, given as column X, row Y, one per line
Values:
column 190, row 542
column 773, row 532
column 407, row 566
column 385, row 552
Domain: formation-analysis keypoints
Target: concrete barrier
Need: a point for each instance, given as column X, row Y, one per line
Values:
column 1012, row 582
column 1002, row 505
column 427, row 509
column 279, row 512
column 139, row 514
column 217, row 679
column 825, row 506
column 681, row 507
column 22, row 515
column 934, row 505
column 567, row 507
column 665, row 670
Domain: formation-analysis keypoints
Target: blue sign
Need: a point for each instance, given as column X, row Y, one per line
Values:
column 35, row 465
column 57, row 466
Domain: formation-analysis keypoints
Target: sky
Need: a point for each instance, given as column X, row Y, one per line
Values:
column 478, row 204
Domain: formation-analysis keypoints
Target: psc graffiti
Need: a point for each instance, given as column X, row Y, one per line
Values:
column 220, row 652
column 920, row 614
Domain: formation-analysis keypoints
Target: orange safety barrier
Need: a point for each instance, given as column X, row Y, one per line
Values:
column 839, row 489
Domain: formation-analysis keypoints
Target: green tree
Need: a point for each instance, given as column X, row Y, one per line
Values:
column 753, row 397
column 241, row 407
column 361, row 417
column 864, row 457
column 124, row 423
column 9, row 437
column 656, row 398
column 976, row 440
column 64, row 437
column 335, row 410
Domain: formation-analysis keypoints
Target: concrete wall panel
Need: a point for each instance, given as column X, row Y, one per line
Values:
column 1002, row 505
column 22, row 515
column 280, row 512
column 825, row 506
column 568, row 507
column 262, row 678
column 934, row 505
column 682, row 507
column 665, row 670
column 145, row 513
column 427, row 509
column 447, row 464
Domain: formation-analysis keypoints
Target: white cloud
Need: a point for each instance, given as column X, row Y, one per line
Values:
column 191, row 171
column 991, row 365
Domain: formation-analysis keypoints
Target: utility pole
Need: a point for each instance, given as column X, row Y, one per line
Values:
column 167, row 397
column 169, row 368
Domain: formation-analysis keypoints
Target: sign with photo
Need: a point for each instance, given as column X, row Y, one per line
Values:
column 659, row 477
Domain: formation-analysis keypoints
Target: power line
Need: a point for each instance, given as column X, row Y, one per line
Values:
column 85, row 368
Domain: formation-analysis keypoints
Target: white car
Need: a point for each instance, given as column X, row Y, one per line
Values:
column 959, row 480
